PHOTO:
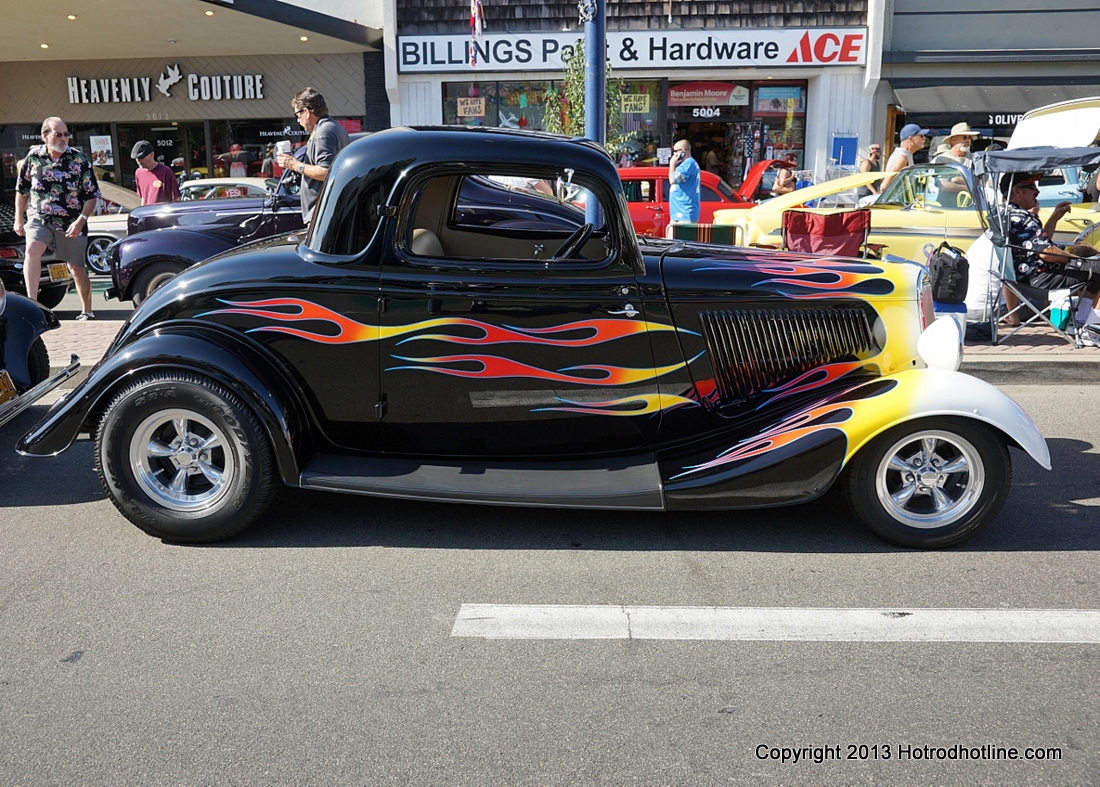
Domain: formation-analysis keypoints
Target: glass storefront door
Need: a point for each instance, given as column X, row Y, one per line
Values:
column 181, row 146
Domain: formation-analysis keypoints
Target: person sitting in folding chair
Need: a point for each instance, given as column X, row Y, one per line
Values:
column 1038, row 261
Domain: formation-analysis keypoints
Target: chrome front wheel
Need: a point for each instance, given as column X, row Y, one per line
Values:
column 930, row 479
column 929, row 483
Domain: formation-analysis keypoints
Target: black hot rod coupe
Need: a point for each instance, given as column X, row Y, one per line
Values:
column 471, row 318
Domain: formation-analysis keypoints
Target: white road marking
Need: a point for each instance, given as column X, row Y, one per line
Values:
column 548, row 621
column 1087, row 501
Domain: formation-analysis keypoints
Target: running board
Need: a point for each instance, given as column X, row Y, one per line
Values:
column 631, row 483
column 16, row 406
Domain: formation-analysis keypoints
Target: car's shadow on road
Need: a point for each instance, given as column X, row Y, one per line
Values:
column 1053, row 511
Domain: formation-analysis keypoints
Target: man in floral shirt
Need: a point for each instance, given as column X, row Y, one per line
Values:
column 57, row 190
column 1037, row 260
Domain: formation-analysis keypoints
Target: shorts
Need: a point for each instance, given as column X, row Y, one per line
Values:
column 70, row 250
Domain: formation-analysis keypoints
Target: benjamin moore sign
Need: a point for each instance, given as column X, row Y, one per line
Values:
column 732, row 48
column 200, row 87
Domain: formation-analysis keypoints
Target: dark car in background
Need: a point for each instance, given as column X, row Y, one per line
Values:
column 165, row 239
column 173, row 236
column 55, row 279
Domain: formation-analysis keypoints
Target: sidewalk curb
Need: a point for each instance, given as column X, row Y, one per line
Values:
column 1028, row 370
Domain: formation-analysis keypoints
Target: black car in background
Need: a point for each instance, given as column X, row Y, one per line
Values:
column 176, row 235
column 55, row 279
column 165, row 239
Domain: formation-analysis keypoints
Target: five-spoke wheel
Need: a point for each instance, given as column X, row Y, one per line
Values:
column 930, row 483
column 184, row 458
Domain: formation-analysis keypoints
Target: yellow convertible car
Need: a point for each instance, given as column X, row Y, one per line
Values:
column 923, row 206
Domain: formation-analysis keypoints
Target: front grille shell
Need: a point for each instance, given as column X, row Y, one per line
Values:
column 754, row 350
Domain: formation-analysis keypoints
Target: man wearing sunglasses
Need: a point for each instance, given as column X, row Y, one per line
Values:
column 326, row 139
column 56, row 189
column 1037, row 260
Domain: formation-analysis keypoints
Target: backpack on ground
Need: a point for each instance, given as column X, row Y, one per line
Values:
column 950, row 273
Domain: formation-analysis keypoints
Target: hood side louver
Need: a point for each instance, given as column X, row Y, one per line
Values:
column 753, row 350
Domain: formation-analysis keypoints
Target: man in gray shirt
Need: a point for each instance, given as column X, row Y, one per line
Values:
column 326, row 139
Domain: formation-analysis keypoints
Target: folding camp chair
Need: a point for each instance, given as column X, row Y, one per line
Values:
column 1034, row 306
column 841, row 233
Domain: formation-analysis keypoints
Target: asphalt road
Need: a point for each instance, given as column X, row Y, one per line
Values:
column 317, row 647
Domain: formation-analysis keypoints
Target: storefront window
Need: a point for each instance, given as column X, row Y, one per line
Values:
column 640, row 104
column 781, row 109
column 520, row 105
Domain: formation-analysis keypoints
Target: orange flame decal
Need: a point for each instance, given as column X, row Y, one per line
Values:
column 786, row 432
column 592, row 332
column 492, row 367
column 643, row 404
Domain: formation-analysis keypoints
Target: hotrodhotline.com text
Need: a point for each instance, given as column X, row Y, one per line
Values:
column 904, row 752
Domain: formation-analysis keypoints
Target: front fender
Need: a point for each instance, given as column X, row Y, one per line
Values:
column 239, row 367
column 26, row 321
column 798, row 457
column 923, row 393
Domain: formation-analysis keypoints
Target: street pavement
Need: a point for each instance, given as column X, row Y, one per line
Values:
column 325, row 646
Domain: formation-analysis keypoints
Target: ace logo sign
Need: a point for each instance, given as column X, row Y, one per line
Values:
column 828, row 48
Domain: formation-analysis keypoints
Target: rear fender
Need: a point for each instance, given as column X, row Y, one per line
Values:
column 27, row 320
column 237, row 366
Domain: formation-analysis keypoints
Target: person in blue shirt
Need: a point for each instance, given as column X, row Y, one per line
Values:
column 683, row 196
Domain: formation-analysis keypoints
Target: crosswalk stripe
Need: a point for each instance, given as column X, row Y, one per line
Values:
column 548, row 621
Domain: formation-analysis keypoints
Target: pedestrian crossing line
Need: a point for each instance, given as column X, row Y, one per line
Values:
column 777, row 624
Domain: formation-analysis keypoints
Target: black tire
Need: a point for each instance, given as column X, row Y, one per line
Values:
column 929, row 483
column 96, row 255
column 153, row 277
column 153, row 458
column 38, row 361
column 52, row 297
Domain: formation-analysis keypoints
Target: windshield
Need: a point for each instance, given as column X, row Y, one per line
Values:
column 928, row 187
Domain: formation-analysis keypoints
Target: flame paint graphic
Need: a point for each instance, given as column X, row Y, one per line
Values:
column 786, row 432
column 599, row 331
column 643, row 404
column 493, row 367
column 815, row 378
column 823, row 280
column 583, row 333
column 593, row 331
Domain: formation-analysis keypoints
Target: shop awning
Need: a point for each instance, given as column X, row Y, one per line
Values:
column 916, row 96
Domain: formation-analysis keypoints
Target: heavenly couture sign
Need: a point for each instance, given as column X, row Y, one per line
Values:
column 199, row 87
column 730, row 48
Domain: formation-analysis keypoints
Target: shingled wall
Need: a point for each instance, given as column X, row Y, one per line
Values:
column 419, row 17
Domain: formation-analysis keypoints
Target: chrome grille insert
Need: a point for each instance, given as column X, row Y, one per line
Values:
column 753, row 350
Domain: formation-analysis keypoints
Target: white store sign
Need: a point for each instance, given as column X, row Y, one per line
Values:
column 632, row 49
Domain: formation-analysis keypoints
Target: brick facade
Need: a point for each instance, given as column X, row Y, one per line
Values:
column 419, row 17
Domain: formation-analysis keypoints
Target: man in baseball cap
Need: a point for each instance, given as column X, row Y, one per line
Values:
column 911, row 138
column 155, row 182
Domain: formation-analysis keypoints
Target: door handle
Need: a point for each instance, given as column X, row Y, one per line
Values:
column 628, row 310
column 655, row 208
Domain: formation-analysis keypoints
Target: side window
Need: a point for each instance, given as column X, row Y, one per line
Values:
column 509, row 203
column 1055, row 178
column 505, row 219
column 664, row 190
column 638, row 190
column 707, row 194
